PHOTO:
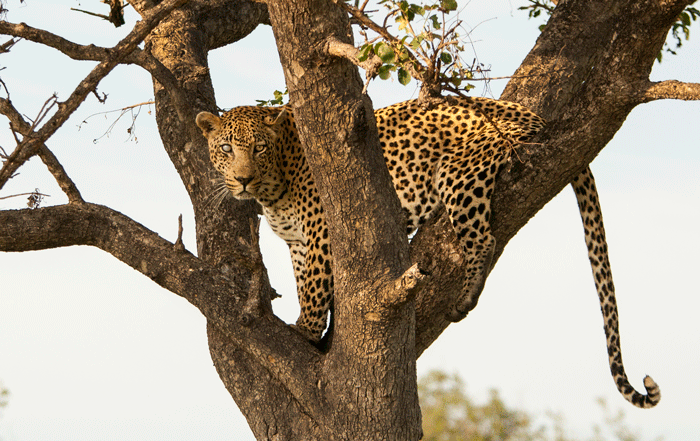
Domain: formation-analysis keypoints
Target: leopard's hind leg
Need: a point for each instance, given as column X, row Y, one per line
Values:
column 465, row 184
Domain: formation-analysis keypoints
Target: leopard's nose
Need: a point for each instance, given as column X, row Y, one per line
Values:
column 244, row 181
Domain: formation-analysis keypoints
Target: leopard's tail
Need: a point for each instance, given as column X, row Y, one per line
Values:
column 591, row 215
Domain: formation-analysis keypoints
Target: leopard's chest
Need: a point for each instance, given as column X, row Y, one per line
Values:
column 284, row 222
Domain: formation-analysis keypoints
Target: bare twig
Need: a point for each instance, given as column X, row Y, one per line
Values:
column 43, row 112
column 102, row 16
column 102, row 99
column 178, row 245
column 24, row 194
column 123, row 111
column 6, row 46
column 116, row 12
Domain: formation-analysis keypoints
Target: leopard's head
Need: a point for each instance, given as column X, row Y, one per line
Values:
column 243, row 148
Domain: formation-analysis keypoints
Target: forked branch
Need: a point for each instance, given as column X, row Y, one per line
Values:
column 283, row 352
column 19, row 125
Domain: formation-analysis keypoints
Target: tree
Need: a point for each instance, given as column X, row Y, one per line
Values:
column 587, row 71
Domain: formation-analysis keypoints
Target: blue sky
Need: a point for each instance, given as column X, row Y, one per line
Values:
column 91, row 349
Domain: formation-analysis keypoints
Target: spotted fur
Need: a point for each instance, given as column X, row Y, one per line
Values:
column 446, row 156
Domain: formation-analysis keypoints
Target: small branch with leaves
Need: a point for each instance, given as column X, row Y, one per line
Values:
column 429, row 50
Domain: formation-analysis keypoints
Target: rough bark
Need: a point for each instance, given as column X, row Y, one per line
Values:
column 587, row 71
column 374, row 321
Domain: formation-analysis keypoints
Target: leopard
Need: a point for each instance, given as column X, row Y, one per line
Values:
column 446, row 155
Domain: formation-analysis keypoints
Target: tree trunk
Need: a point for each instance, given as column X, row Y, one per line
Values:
column 369, row 373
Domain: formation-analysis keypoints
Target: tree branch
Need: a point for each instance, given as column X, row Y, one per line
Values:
column 18, row 124
column 141, row 6
column 670, row 89
column 283, row 352
column 337, row 48
column 96, row 53
column 72, row 50
column 31, row 143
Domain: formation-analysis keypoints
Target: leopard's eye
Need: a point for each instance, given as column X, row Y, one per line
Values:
column 226, row 148
column 259, row 147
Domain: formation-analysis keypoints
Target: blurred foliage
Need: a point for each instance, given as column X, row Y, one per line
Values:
column 449, row 414
column 4, row 396
column 680, row 31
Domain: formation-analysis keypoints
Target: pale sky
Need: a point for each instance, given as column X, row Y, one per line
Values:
column 93, row 350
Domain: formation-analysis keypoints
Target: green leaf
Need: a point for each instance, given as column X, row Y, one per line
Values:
column 417, row 9
column 449, row 5
column 415, row 43
column 685, row 19
column 385, row 71
column 436, row 21
column 364, row 52
column 384, row 52
column 446, row 58
column 404, row 76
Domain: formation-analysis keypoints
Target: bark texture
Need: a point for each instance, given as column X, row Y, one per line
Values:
column 588, row 70
column 374, row 323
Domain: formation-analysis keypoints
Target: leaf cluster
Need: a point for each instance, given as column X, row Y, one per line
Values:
column 278, row 99
column 427, row 45
column 681, row 26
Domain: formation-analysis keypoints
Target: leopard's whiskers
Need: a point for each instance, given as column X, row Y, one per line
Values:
column 218, row 194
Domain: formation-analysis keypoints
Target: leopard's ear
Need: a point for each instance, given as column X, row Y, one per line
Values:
column 273, row 123
column 208, row 122
column 275, row 118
